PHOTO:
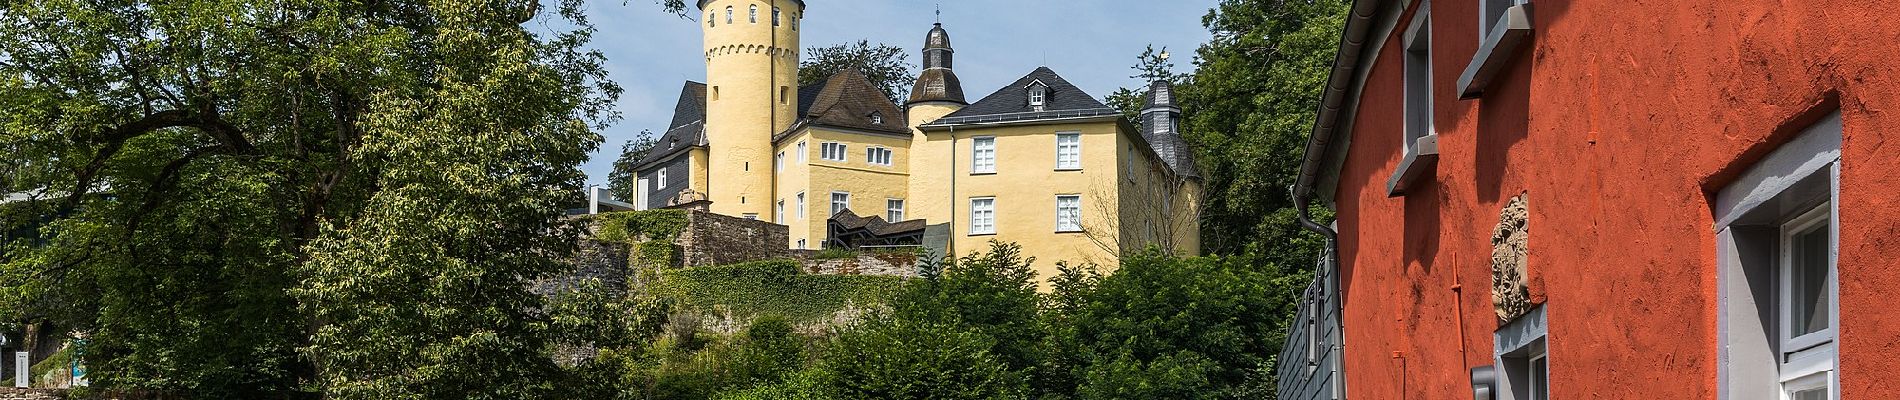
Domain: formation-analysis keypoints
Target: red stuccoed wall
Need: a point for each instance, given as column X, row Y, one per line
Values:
column 1620, row 122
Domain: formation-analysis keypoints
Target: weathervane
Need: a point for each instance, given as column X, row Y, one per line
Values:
column 939, row 13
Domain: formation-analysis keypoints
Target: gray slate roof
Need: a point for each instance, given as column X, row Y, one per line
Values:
column 1168, row 144
column 687, row 130
column 1011, row 103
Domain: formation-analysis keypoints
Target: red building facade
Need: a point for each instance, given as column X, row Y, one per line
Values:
column 1611, row 199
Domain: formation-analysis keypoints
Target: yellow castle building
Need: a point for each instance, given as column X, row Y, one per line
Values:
column 1038, row 162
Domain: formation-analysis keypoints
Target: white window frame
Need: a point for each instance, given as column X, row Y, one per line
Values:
column 753, row 14
column 836, row 205
column 752, row 216
column 983, row 155
column 1069, row 154
column 877, row 119
column 801, row 244
column 1516, row 347
column 878, row 155
column 659, row 181
column 801, row 205
column 728, row 15
column 1490, row 12
column 834, row 151
column 1068, row 216
column 982, row 219
column 778, row 161
column 774, row 16
column 779, row 213
column 893, row 210
column 802, row 151
column 1038, row 96
column 1793, row 189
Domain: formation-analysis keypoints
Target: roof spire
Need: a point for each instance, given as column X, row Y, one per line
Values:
column 939, row 13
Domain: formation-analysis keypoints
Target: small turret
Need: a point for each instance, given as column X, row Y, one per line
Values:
column 938, row 82
column 1160, row 125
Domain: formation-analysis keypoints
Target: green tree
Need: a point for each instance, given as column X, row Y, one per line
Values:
column 885, row 65
column 895, row 358
column 253, row 196
column 992, row 293
column 620, row 181
column 1167, row 327
column 1150, row 66
column 1249, row 110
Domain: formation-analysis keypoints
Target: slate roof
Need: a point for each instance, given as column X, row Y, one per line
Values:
column 847, row 100
column 876, row 225
column 1169, row 144
column 687, row 130
column 1011, row 103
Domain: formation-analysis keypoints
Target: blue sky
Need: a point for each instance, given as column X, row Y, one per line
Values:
column 1092, row 43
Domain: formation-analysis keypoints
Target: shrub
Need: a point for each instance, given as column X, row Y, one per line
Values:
column 775, row 287
column 887, row 358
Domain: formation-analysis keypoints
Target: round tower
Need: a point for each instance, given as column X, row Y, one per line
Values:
column 936, row 94
column 751, row 94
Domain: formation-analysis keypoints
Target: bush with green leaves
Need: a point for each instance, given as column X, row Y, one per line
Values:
column 894, row 358
column 776, row 287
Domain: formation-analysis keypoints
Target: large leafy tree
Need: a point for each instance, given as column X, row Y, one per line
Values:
column 245, row 196
column 1150, row 66
column 1249, row 109
column 887, row 66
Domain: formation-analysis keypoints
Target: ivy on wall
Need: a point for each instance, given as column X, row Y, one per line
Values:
column 775, row 287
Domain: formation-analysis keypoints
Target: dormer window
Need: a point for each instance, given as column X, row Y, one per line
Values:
column 877, row 119
column 1037, row 94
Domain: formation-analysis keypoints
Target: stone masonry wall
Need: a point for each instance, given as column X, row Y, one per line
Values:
column 713, row 239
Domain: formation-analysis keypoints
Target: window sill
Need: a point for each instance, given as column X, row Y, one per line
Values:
column 982, row 173
column 1062, row 231
column 1068, row 169
column 1420, row 160
column 1513, row 31
column 983, row 234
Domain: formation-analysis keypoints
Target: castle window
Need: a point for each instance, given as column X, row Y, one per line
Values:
column 831, row 151
column 660, row 182
column 983, row 156
column 715, row 93
column 877, row 118
column 778, row 162
column 753, row 14
column 1037, row 93
column 983, row 216
column 1069, row 150
column 752, row 216
column 801, row 244
column 1068, row 213
column 728, row 15
column 784, row 94
column 774, row 16
column 878, row 156
column 711, row 18
column 840, row 201
column 801, row 205
column 795, row 18
column 893, row 210
column 778, row 214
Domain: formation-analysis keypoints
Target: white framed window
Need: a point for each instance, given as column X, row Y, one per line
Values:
column 893, row 210
column 1418, row 77
column 795, row 18
column 1777, row 278
column 1521, row 356
column 801, row 151
column 840, row 201
column 1490, row 12
column 801, row 205
column 659, row 181
column 983, row 155
column 801, row 244
column 1068, row 150
column 878, row 156
column 728, row 15
column 877, row 119
column 1037, row 96
column 983, row 216
column 778, row 212
column 1130, row 165
column 752, row 216
column 774, row 16
column 753, row 14
column 778, row 162
column 831, row 151
column 1068, row 213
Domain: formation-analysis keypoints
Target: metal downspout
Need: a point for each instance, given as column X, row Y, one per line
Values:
column 1338, row 85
